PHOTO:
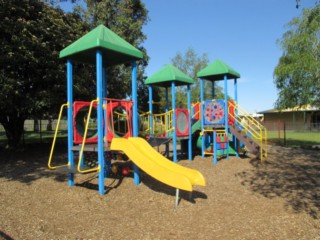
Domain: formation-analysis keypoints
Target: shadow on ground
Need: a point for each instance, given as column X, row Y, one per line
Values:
column 157, row 186
column 292, row 174
column 30, row 164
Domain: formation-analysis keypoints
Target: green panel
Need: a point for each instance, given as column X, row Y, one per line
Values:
column 166, row 75
column 115, row 50
column 196, row 126
column 217, row 70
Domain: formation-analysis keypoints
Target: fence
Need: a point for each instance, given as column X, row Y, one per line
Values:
column 38, row 130
column 294, row 133
column 293, row 126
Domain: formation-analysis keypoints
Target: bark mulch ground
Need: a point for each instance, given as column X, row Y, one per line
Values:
column 243, row 199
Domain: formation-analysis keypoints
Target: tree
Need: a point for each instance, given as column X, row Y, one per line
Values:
column 126, row 18
column 191, row 63
column 32, row 78
column 297, row 75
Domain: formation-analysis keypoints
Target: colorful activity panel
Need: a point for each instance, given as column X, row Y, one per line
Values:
column 213, row 112
column 182, row 122
column 80, row 118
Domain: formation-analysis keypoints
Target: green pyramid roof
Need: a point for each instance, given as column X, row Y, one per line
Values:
column 166, row 75
column 115, row 50
column 217, row 70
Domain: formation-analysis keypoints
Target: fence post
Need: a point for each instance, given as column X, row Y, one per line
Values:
column 284, row 134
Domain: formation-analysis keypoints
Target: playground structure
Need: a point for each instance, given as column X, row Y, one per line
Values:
column 224, row 119
column 103, row 48
column 220, row 126
column 105, row 126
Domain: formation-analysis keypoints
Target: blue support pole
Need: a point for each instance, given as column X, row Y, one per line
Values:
column 215, row 151
column 201, row 112
column 100, row 121
column 212, row 90
column 70, row 113
column 167, row 99
column 236, row 113
column 167, row 109
column 104, row 95
column 135, row 114
column 226, row 107
column 150, row 110
column 190, row 124
column 174, row 139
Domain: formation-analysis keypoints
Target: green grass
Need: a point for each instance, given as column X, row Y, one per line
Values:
column 295, row 139
column 35, row 137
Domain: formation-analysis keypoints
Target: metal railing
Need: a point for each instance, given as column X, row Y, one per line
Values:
column 66, row 105
column 251, row 126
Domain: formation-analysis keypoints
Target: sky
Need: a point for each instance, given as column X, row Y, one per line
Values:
column 242, row 33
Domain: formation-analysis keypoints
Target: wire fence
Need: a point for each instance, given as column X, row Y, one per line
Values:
column 294, row 134
column 39, row 130
column 293, row 126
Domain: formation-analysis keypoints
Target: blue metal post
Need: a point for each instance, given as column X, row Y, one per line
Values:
column 151, row 110
column 201, row 112
column 174, row 139
column 100, row 120
column 190, row 124
column 167, row 109
column 135, row 114
column 104, row 95
column 236, row 113
column 226, row 108
column 70, row 113
column 215, row 151
column 212, row 90
column 167, row 100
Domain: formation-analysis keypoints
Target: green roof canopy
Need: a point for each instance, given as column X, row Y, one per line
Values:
column 217, row 70
column 115, row 50
column 166, row 75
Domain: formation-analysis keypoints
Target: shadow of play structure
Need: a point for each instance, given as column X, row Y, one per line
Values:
column 108, row 127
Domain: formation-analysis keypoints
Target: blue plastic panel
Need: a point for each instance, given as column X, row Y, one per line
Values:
column 213, row 112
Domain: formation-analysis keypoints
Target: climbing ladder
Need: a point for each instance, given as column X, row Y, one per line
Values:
column 249, row 131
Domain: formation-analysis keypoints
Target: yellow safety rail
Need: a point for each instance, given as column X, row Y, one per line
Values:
column 145, row 118
column 218, row 131
column 161, row 122
column 119, row 116
column 84, row 141
column 66, row 105
column 164, row 121
column 250, row 124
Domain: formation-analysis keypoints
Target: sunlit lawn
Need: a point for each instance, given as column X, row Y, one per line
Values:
column 295, row 139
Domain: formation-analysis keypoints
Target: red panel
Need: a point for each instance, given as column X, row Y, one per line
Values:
column 196, row 109
column 79, row 110
column 182, row 119
column 231, row 119
column 128, row 108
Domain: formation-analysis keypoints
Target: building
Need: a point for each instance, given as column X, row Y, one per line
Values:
column 304, row 118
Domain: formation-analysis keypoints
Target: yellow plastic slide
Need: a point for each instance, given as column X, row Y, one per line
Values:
column 157, row 166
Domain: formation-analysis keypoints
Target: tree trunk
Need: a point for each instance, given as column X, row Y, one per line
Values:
column 13, row 126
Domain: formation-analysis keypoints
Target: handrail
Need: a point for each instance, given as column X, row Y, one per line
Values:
column 55, row 137
column 198, row 112
column 250, row 124
column 84, row 142
column 145, row 117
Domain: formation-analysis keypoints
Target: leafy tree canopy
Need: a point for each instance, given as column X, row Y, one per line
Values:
column 32, row 78
column 126, row 18
column 297, row 75
column 191, row 63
